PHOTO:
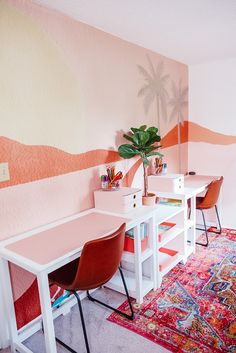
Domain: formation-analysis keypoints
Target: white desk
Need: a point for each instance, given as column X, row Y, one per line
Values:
column 142, row 268
column 19, row 250
column 45, row 249
column 199, row 182
column 193, row 185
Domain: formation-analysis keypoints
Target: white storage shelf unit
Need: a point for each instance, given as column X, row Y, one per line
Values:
column 171, row 243
column 138, row 282
column 187, row 196
column 142, row 268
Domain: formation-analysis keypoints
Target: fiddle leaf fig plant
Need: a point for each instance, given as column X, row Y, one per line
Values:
column 144, row 142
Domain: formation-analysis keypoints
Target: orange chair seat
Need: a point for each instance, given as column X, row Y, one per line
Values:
column 65, row 275
column 208, row 201
column 200, row 203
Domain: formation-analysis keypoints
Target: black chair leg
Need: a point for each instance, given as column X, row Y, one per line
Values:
column 82, row 321
column 130, row 317
column 205, row 229
column 62, row 343
column 83, row 326
column 218, row 219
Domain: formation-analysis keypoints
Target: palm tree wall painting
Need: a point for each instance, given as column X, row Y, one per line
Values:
column 178, row 102
column 154, row 89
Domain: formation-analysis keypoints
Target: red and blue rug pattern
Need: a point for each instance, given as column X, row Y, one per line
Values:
column 195, row 308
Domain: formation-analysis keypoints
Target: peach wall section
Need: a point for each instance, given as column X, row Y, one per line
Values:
column 211, row 159
column 212, row 106
column 199, row 133
column 69, row 92
column 106, row 77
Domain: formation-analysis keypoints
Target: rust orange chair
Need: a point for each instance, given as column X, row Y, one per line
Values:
column 208, row 201
column 99, row 261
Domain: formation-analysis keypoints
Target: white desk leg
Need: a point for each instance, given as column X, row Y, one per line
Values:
column 159, row 275
column 9, row 304
column 153, row 245
column 185, row 204
column 138, row 264
column 4, row 334
column 46, row 310
column 193, row 218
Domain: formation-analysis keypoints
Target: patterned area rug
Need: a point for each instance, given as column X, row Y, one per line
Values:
column 195, row 308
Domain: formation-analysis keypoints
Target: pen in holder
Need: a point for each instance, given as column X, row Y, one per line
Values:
column 111, row 181
column 158, row 165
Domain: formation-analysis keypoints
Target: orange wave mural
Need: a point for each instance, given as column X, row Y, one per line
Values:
column 29, row 163
column 129, row 176
column 197, row 133
column 171, row 138
column 191, row 132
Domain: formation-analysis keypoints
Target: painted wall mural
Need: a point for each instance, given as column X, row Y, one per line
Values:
column 154, row 90
column 178, row 102
column 68, row 93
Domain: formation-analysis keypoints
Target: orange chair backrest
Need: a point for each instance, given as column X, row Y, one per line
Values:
column 212, row 194
column 99, row 260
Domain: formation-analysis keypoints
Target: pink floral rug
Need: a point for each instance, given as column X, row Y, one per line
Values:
column 195, row 308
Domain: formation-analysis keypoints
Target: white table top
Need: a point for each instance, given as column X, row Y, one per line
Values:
column 198, row 181
column 193, row 185
column 45, row 247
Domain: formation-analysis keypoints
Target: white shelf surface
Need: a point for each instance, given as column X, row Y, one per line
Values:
column 143, row 213
column 171, row 265
column 166, row 212
column 186, row 193
column 116, row 283
column 129, row 256
column 170, row 235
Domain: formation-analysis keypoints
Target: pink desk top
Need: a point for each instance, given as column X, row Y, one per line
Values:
column 51, row 244
column 196, row 181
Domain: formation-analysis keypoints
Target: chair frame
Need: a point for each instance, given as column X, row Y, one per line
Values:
column 130, row 317
column 205, row 227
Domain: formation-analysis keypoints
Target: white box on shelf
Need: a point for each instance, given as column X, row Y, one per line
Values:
column 166, row 183
column 122, row 200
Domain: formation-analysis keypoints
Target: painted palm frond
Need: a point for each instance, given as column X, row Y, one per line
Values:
column 147, row 101
column 154, row 88
column 178, row 102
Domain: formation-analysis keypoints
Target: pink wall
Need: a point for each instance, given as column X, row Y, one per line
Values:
column 70, row 91
column 71, row 117
column 212, row 137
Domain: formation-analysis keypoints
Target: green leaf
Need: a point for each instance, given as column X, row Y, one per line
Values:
column 127, row 151
column 134, row 129
column 129, row 138
column 153, row 138
column 154, row 154
column 143, row 127
column 152, row 129
column 150, row 149
column 141, row 138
